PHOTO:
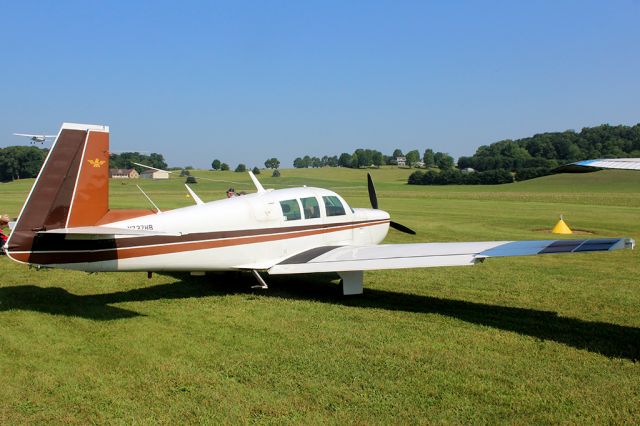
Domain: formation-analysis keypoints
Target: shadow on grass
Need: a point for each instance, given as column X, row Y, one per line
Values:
column 611, row 340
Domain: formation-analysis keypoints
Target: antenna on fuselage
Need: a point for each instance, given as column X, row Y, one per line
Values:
column 256, row 182
column 150, row 200
column 193, row 195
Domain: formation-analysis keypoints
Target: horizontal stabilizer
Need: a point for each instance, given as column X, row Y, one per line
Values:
column 105, row 230
column 399, row 256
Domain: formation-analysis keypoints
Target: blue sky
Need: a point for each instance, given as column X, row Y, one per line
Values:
column 245, row 81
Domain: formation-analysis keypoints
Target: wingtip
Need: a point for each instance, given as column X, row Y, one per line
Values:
column 630, row 243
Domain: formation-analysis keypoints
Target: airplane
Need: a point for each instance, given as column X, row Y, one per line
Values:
column 66, row 222
column 36, row 138
column 587, row 166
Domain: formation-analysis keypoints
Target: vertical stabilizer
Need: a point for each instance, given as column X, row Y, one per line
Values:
column 72, row 188
column 90, row 200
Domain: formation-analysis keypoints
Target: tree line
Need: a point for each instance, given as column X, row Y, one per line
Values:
column 538, row 155
column 459, row 177
column 555, row 148
column 125, row 160
column 270, row 163
column 522, row 159
column 370, row 157
column 549, row 150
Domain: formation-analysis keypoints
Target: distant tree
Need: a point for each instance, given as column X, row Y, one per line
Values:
column 332, row 161
column 364, row 156
column 443, row 160
column 125, row 160
column 215, row 164
column 20, row 162
column 191, row 179
column 256, row 171
column 355, row 161
column 412, row 157
column 306, row 161
column 531, row 173
column 428, row 158
column 189, row 168
column 416, row 178
column 272, row 163
column 241, row 168
column 344, row 160
column 377, row 159
column 316, row 162
column 224, row 166
column 185, row 172
column 397, row 153
column 276, row 173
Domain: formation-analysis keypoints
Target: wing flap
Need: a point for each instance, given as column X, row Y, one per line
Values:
column 399, row 256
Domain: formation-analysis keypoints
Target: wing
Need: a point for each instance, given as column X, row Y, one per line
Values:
column 607, row 163
column 397, row 256
column 27, row 134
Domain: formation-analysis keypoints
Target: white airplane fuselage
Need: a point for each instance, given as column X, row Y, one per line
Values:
column 239, row 233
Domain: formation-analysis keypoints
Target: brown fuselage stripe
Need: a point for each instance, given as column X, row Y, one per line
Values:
column 156, row 248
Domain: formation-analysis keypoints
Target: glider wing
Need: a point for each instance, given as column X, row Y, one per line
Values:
column 593, row 165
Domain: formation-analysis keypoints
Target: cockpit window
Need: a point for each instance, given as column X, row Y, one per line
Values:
column 290, row 209
column 310, row 207
column 333, row 206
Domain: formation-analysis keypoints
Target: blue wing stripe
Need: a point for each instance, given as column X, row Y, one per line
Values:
column 562, row 246
column 597, row 245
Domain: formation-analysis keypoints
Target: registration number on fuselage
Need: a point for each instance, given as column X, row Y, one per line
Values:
column 141, row 227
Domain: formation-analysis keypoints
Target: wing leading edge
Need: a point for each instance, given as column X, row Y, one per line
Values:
column 398, row 256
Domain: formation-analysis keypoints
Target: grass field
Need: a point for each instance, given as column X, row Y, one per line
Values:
column 547, row 339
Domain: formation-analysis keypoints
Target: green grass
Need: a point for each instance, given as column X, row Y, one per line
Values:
column 545, row 339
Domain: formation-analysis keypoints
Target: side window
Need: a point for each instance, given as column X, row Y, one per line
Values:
column 290, row 209
column 310, row 207
column 333, row 205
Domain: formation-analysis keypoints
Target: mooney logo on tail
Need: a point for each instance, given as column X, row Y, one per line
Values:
column 97, row 162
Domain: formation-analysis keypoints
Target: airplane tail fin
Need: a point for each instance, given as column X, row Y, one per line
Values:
column 72, row 188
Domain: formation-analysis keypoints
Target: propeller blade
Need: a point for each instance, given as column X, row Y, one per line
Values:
column 372, row 192
column 402, row 228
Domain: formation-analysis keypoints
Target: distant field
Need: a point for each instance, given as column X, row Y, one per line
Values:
column 548, row 339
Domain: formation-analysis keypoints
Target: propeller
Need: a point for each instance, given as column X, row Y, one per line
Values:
column 374, row 204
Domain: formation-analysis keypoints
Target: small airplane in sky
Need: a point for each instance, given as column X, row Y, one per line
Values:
column 36, row 138
column 66, row 222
